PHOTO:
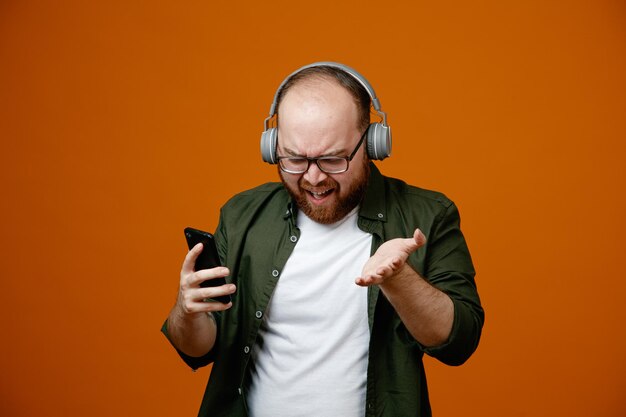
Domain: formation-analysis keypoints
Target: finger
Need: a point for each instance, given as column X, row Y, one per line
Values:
column 368, row 280
column 190, row 260
column 385, row 271
column 362, row 282
column 207, row 306
column 193, row 299
column 396, row 263
column 207, row 274
column 217, row 306
column 214, row 292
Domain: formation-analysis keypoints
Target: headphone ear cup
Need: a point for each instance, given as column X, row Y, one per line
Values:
column 378, row 141
column 268, row 145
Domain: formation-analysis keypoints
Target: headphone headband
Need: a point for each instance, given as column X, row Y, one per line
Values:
column 378, row 134
column 358, row 77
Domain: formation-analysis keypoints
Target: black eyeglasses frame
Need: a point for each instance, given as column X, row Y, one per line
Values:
column 348, row 159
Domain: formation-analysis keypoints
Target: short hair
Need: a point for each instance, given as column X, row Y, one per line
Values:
column 360, row 95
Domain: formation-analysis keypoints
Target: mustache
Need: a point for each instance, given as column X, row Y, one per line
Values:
column 327, row 183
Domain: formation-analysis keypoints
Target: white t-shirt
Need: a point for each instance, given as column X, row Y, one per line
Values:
column 310, row 358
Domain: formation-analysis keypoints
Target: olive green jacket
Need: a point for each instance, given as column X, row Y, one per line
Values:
column 255, row 237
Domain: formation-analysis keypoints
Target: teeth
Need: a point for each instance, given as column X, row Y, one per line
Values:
column 319, row 194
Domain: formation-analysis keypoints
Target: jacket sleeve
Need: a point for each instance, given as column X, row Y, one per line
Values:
column 448, row 266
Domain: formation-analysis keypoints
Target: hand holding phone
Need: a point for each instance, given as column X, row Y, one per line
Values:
column 207, row 259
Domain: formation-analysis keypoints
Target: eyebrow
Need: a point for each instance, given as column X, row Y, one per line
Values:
column 293, row 153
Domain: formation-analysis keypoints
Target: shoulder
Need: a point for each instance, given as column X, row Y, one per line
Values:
column 394, row 190
column 400, row 190
column 392, row 198
column 260, row 191
column 416, row 203
column 271, row 193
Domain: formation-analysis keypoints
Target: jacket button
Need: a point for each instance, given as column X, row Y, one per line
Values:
column 293, row 239
column 246, row 349
column 275, row 273
column 258, row 314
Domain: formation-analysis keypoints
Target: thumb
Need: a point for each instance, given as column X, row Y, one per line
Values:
column 414, row 243
column 419, row 238
column 190, row 260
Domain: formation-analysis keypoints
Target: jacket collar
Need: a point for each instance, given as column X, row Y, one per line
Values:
column 373, row 206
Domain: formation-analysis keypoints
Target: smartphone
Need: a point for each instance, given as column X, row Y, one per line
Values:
column 207, row 259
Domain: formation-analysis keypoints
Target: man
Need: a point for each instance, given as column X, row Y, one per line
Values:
column 341, row 278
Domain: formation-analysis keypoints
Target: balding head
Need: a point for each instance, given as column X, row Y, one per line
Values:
column 310, row 76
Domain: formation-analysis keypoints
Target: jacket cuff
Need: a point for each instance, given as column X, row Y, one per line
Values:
column 463, row 339
column 194, row 362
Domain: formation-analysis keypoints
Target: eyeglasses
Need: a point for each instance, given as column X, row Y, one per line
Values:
column 327, row 164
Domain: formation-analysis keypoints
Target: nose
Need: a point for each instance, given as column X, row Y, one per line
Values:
column 314, row 175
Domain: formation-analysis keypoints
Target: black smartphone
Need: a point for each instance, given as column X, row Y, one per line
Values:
column 207, row 259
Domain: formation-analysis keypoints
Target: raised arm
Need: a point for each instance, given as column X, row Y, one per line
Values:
column 191, row 327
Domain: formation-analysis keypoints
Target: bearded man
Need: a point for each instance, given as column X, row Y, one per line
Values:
column 341, row 278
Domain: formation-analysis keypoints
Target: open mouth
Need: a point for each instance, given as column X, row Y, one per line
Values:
column 320, row 195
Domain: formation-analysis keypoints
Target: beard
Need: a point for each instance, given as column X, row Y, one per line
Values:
column 343, row 205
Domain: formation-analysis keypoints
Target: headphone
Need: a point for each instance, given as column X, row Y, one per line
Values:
column 378, row 134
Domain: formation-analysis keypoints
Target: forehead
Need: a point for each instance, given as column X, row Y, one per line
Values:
column 317, row 116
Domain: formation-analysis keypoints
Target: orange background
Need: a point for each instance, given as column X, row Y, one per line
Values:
column 123, row 122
